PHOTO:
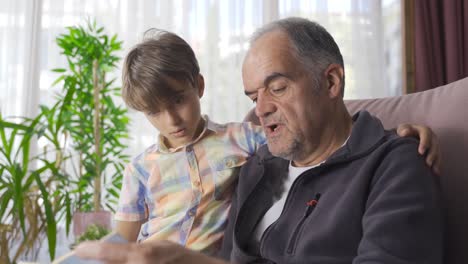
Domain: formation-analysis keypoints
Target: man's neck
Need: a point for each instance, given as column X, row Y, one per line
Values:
column 332, row 139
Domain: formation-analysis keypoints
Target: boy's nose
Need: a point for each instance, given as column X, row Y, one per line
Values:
column 172, row 117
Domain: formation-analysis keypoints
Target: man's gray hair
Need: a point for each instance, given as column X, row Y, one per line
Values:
column 313, row 45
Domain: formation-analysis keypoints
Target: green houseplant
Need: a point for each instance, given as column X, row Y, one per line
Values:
column 97, row 125
column 80, row 167
column 92, row 232
column 33, row 191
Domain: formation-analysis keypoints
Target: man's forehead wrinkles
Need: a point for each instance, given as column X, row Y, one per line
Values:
column 275, row 76
column 267, row 81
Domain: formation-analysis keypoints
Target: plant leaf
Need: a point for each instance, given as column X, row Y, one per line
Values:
column 51, row 225
column 17, row 176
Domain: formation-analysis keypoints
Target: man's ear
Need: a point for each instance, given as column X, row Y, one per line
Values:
column 334, row 78
column 200, row 85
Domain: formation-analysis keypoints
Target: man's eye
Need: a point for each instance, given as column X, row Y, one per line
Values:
column 254, row 100
column 278, row 91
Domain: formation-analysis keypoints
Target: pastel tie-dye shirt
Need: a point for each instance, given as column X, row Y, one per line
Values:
column 185, row 193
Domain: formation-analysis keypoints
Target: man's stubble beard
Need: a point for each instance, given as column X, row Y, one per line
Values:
column 291, row 152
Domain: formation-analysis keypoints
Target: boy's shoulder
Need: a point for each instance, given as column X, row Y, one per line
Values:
column 240, row 135
column 231, row 126
column 143, row 155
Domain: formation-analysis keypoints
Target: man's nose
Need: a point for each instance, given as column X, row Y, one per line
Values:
column 264, row 106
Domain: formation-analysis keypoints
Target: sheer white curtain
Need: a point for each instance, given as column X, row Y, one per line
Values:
column 19, row 54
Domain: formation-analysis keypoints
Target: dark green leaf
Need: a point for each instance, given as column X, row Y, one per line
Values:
column 18, row 199
column 51, row 227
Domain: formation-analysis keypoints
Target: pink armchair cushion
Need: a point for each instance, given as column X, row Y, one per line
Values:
column 444, row 109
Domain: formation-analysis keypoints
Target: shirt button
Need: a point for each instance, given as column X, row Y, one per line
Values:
column 196, row 183
column 191, row 213
column 229, row 163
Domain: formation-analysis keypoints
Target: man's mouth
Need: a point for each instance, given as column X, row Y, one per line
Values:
column 273, row 129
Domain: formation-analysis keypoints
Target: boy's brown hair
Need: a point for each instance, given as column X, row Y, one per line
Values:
column 149, row 65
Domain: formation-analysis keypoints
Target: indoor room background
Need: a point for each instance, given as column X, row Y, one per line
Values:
column 369, row 33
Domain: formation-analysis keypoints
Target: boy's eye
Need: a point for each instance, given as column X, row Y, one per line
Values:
column 152, row 113
column 179, row 100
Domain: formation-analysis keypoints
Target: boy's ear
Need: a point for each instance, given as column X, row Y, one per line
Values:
column 200, row 85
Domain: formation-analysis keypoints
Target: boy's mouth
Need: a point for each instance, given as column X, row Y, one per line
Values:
column 179, row 132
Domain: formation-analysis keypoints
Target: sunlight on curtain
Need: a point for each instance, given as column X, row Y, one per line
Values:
column 19, row 53
column 369, row 36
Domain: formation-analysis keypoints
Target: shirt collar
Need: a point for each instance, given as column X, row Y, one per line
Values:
column 208, row 126
column 302, row 169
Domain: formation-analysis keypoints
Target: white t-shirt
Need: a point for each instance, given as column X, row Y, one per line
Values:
column 275, row 210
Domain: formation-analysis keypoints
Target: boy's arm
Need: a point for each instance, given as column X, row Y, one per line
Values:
column 131, row 212
column 129, row 230
column 253, row 137
column 157, row 251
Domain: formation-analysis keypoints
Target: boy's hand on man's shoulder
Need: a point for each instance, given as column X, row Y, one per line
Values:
column 428, row 143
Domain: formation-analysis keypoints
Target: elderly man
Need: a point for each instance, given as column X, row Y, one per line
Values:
column 328, row 187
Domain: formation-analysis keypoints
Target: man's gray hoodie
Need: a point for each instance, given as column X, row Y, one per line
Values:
column 378, row 202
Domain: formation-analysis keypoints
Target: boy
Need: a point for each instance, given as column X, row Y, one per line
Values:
column 180, row 188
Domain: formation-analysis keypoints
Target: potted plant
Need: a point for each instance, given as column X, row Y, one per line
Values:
column 33, row 193
column 92, row 232
column 97, row 126
column 83, row 135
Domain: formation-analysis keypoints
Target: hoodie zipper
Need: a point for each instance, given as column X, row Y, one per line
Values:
column 310, row 206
